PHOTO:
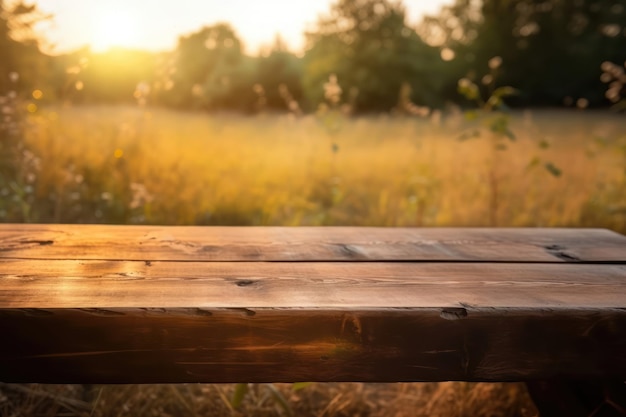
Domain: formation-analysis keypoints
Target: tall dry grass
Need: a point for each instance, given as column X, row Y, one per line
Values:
column 449, row 399
column 129, row 165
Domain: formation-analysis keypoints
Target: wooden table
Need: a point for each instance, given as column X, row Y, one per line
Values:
column 138, row 304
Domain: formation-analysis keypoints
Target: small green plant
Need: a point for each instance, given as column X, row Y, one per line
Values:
column 332, row 115
column 261, row 394
column 491, row 118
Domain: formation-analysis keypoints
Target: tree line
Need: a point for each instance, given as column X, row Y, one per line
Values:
column 551, row 51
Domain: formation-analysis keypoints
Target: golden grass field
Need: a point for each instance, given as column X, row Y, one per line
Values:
column 133, row 165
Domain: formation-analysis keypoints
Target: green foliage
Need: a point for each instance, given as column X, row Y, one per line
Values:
column 19, row 48
column 239, row 394
column 492, row 113
column 492, row 110
column 368, row 46
column 297, row 386
column 208, row 70
column 551, row 48
column 279, row 73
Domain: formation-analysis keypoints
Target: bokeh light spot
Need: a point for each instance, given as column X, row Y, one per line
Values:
column 582, row 103
column 447, row 54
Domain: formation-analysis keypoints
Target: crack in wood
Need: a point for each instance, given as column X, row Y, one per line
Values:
column 453, row 313
column 246, row 311
column 559, row 252
column 36, row 312
column 245, row 282
column 37, row 242
column 101, row 312
column 350, row 251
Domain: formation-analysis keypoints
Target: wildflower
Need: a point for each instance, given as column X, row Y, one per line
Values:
column 141, row 196
column 332, row 90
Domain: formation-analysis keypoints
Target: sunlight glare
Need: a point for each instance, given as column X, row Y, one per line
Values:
column 156, row 26
column 114, row 29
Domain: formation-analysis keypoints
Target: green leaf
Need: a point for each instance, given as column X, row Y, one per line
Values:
column 239, row 395
column 494, row 102
column 553, row 169
column 544, row 144
column 468, row 89
column 502, row 92
column 297, row 386
column 470, row 115
column 533, row 163
column 500, row 126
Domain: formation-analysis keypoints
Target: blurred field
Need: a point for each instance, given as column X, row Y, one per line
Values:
column 132, row 165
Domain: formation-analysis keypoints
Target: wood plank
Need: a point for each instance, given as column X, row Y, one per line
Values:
column 150, row 243
column 285, row 345
column 30, row 284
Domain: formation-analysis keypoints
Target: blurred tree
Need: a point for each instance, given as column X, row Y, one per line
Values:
column 21, row 67
column 369, row 47
column 279, row 74
column 19, row 48
column 454, row 30
column 551, row 49
column 208, row 70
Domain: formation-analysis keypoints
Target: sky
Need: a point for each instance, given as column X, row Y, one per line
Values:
column 156, row 24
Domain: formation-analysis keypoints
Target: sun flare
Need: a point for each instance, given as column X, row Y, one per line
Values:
column 114, row 28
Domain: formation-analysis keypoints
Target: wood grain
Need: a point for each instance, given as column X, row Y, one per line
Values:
column 309, row 244
column 113, row 284
column 138, row 304
column 277, row 345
